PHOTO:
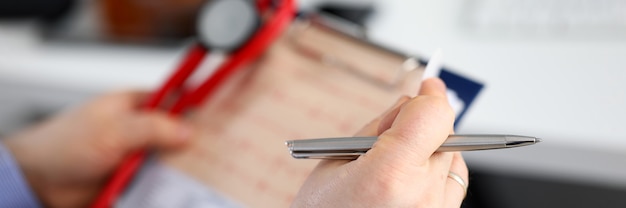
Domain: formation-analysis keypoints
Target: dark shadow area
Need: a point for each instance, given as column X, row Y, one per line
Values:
column 494, row 190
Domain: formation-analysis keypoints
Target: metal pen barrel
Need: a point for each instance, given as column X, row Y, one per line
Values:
column 484, row 142
column 351, row 147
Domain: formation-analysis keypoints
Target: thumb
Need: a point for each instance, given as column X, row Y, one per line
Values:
column 421, row 125
column 154, row 129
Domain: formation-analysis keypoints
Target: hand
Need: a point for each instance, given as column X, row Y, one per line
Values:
column 67, row 159
column 402, row 169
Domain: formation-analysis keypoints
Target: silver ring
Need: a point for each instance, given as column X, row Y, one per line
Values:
column 458, row 179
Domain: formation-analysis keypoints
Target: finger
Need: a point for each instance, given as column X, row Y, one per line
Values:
column 438, row 167
column 420, row 127
column 136, row 97
column 150, row 129
column 369, row 129
column 455, row 192
column 433, row 87
column 412, row 83
column 127, row 98
column 139, row 96
column 373, row 127
column 388, row 120
column 384, row 121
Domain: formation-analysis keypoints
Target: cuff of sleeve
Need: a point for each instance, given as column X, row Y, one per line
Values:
column 14, row 190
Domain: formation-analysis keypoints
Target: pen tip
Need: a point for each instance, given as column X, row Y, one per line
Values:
column 537, row 140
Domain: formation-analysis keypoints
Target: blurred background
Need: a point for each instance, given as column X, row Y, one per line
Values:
column 554, row 69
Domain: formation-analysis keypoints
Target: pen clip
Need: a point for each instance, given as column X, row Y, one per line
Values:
column 327, row 155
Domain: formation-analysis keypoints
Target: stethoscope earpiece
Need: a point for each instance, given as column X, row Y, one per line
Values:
column 226, row 25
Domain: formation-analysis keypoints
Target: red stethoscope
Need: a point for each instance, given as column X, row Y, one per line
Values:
column 233, row 26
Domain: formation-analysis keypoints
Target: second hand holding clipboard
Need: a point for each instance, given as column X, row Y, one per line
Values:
column 248, row 40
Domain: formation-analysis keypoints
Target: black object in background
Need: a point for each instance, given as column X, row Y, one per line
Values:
column 493, row 190
column 47, row 10
column 357, row 14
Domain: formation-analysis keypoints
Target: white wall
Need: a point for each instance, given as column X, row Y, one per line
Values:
column 570, row 92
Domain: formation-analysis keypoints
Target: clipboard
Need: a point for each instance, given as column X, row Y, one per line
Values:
column 315, row 81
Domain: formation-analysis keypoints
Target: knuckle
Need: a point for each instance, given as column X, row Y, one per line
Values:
column 386, row 186
column 396, row 188
column 140, row 129
column 161, row 123
column 405, row 144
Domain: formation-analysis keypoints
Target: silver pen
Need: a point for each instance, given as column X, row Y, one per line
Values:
column 352, row 147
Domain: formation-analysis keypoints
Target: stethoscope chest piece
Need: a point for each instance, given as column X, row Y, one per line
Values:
column 226, row 25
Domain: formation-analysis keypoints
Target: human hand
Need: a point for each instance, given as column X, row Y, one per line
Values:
column 68, row 158
column 402, row 169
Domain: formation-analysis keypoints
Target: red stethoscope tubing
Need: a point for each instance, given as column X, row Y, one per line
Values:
column 255, row 46
column 129, row 166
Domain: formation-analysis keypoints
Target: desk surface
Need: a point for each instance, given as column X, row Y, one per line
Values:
column 572, row 93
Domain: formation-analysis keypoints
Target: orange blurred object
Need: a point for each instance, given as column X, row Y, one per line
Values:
column 149, row 20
